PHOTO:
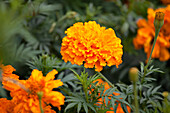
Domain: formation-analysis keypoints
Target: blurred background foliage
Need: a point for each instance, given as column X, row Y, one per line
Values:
column 31, row 33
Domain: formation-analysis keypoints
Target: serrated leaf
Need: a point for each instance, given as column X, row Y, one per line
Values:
column 85, row 107
column 106, row 100
column 149, row 91
column 107, row 91
column 113, row 102
column 90, row 106
column 141, row 66
column 70, row 106
column 155, row 90
column 111, row 91
column 124, row 108
column 79, row 107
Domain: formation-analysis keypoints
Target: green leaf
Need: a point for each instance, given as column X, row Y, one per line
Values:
column 90, row 106
column 124, row 108
column 111, row 91
column 107, row 91
column 116, row 107
column 85, row 107
column 113, row 102
column 70, row 106
column 106, row 100
column 155, row 90
column 79, row 107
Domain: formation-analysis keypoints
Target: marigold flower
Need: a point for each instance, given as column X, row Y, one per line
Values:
column 9, row 106
column 28, row 101
column 146, row 34
column 91, row 44
column 6, row 106
column 106, row 86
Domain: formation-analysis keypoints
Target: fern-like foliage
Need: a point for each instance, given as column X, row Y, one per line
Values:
column 149, row 97
column 93, row 97
column 45, row 63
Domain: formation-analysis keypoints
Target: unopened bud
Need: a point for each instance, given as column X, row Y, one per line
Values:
column 159, row 20
column 133, row 74
column 40, row 94
column 165, row 94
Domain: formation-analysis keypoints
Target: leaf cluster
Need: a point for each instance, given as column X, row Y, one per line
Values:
column 149, row 97
column 93, row 97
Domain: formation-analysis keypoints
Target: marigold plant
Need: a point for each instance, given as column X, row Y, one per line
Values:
column 24, row 93
column 146, row 33
column 91, row 44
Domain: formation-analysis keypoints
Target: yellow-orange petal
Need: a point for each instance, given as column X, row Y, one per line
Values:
column 51, row 75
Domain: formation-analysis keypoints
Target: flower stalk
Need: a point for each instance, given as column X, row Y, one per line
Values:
column 133, row 76
column 106, row 79
column 158, row 23
column 40, row 94
column 136, row 97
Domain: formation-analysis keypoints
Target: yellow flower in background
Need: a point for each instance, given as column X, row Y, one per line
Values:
column 146, row 33
column 91, row 44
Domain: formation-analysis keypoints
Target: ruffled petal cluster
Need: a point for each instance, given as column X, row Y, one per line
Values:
column 24, row 93
column 91, row 44
column 6, row 106
column 146, row 33
column 106, row 87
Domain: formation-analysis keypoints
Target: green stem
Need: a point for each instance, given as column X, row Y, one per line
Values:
column 41, row 105
column 149, row 60
column 156, row 36
column 106, row 79
column 86, row 95
column 135, row 97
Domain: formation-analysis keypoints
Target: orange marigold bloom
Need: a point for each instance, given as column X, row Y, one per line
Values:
column 25, row 94
column 91, row 44
column 146, row 33
column 9, row 106
column 106, row 86
column 6, row 106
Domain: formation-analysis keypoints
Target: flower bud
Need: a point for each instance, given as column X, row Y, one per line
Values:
column 40, row 94
column 159, row 20
column 165, row 94
column 133, row 74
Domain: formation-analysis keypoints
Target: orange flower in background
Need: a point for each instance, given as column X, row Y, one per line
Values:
column 91, row 44
column 27, row 99
column 146, row 33
column 165, row 2
column 106, row 87
column 24, row 93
